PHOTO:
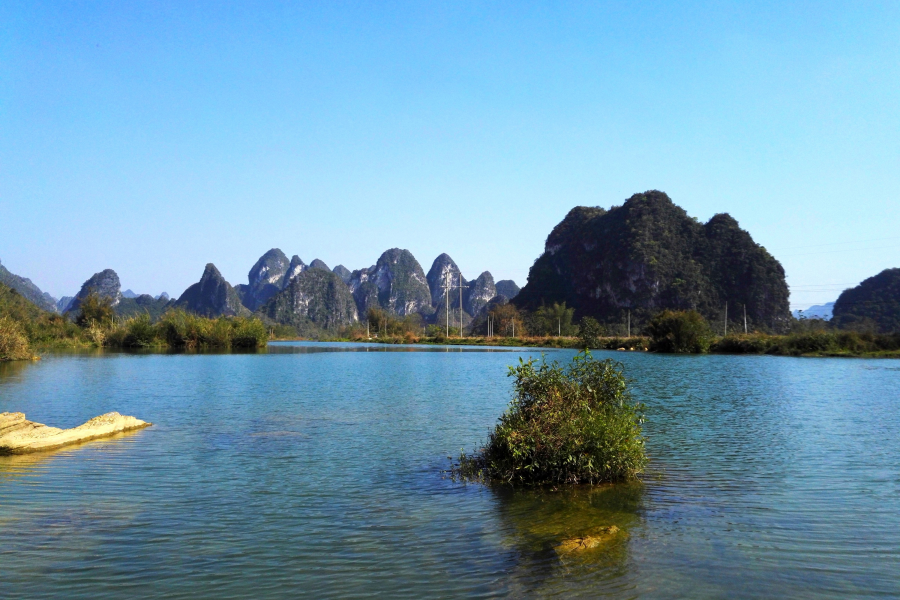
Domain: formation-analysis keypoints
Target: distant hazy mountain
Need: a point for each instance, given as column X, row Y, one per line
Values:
column 507, row 288
column 143, row 304
column 872, row 305
column 105, row 284
column 63, row 304
column 28, row 290
column 212, row 296
column 293, row 293
column 818, row 311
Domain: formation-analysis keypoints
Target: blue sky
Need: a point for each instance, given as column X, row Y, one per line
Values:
column 155, row 137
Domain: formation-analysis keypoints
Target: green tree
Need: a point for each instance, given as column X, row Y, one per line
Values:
column 95, row 309
column 679, row 331
column 590, row 332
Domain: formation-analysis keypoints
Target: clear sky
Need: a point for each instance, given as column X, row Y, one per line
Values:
column 155, row 137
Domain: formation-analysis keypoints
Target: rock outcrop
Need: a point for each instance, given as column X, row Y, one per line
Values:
column 105, row 284
column 649, row 255
column 316, row 298
column 297, row 266
column 265, row 279
column 481, row 291
column 212, row 296
column 318, row 264
column 20, row 436
column 28, row 290
column 443, row 271
column 396, row 284
column 343, row 272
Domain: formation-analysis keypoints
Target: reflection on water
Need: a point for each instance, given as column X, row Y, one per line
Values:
column 316, row 470
column 538, row 523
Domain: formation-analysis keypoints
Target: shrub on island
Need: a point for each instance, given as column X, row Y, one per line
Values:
column 569, row 424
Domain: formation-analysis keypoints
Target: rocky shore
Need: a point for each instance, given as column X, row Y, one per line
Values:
column 20, row 436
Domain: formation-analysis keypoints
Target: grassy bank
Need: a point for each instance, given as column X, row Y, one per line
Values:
column 25, row 329
column 836, row 344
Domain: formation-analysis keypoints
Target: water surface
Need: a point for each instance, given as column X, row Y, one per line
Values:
column 316, row 470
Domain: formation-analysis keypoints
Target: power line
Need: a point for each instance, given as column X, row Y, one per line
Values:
column 838, row 243
column 839, row 251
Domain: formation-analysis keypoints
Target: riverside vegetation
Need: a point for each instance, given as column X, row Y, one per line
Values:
column 24, row 328
column 678, row 332
column 572, row 424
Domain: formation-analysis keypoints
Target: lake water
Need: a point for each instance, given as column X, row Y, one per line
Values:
column 316, row 470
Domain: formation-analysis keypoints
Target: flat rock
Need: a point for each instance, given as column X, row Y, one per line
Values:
column 20, row 436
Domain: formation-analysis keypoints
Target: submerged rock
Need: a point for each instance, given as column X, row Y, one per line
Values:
column 587, row 542
column 20, row 436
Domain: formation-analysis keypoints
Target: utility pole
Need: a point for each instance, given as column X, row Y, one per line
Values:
column 745, row 319
column 514, row 326
column 558, row 327
column 629, row 322
column 460, row 306
column 447, row 298
column 726, row 319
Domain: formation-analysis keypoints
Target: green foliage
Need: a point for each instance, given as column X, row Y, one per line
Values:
column 508, row 321
column 140, row 333
column 95, row 308
column 590, row 332
column 13, row 341
column 566, row 424
column 811, row 343
column 248, row 333
column 682, row 332
column 554, row 319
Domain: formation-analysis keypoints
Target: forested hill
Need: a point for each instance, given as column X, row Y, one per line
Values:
column 872, row 305
column 648, row 255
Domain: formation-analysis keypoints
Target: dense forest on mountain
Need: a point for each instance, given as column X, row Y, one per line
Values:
column 648, row 255
column 872, row 305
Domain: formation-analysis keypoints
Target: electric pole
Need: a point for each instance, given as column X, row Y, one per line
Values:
column 460, row 305
column 745, row 319
column 629, row 322
column 726, row 319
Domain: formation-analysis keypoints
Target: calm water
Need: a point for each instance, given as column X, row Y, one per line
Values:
column 318, row 473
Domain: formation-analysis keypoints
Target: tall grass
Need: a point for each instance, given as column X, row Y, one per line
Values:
column 565, row 425
column 13, row 340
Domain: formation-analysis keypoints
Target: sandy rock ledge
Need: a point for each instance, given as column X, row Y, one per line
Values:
column 20, row 436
